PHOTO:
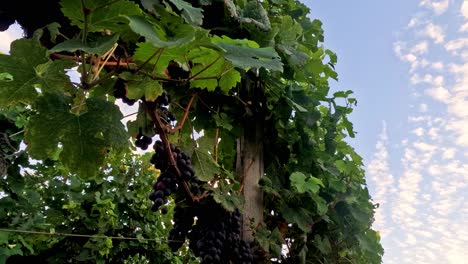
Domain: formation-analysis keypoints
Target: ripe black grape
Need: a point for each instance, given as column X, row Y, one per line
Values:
column 215, row 237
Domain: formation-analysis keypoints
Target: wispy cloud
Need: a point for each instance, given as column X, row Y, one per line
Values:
column 428, row 211
column 464, row 9
column 381, row 180
column 438, row 7
column 435, row 32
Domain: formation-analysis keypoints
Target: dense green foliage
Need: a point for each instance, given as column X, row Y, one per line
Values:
column 224, row 64
column 45, row 197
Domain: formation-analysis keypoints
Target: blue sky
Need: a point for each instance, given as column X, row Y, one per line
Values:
column 407, row 62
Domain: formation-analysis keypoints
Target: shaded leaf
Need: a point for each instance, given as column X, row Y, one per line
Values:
column 202, row 160
column 138, row 86
column 157, row 36
column 101, row 46
column 243, row 55
column 191, row 15
column 103, row 14
column 84, row 138
column 299, row 216
column 28, row 68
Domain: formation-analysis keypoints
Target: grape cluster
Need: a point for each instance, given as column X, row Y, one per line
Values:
column 165, row 185
column 142, row 141
column 183, row 222
column 120, row 91
column 216, row 236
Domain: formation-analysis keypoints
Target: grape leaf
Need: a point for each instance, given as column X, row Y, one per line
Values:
column 84, row 138
column 299, row 216
column 191, row 15
column 229, row 80
column 100, row 46
column 103, row 14
column 182, row 33
column 208, row 65
column 146, row 50
column 139, row 86
column 245, row 57
column 305, row 183
column 28, row 68
column 142, row 123
column 223, row 195
column 202, row 161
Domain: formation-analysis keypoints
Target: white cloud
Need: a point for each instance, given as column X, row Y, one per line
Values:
column 433, row 133
column 424, row 147
column 439, row 93
column 419, row 131
column 437, row 65
column 456, row 44
column 378, row 172
column 413, row 22
column 423, row 108
column 464, row 27
column 427, row 78
column 434, row 32
column 412, row 55
column 464, row 9
column 448, row 153
column 439, row 7
column 420, row 48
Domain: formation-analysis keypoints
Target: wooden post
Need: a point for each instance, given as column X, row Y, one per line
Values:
column 249, row 164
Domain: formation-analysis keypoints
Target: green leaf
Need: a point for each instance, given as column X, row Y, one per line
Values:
column 245, row 56
column 229, row 80
column 262, row 237
column 296, row 106
column 138, row 86
column 223, row 195
column 146, row 50
column 157, row 36
column 142, row 122
column 191, row 15
column 223, row 120
column 276, row 242
column 100, row 46
column 202, row 160
column 29, row 68
column 322, row 244
column 346, row 167
column 295, row 57
column 84, row 138
column 305, row 183
column 299, row 216
column 208, row 65
column 254, row 13
column 102, row 14
column 54, row 30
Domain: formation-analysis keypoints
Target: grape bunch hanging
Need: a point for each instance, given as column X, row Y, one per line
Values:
column 214, row 233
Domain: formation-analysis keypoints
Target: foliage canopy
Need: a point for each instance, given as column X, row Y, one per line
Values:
column 225, row 64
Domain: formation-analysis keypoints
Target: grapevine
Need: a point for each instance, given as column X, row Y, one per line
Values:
column 250, row 148
column 216, row 235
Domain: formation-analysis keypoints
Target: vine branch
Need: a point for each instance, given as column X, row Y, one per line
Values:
column 186, row 111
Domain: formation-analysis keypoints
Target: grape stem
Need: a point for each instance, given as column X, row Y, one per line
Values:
column 216, row 145
column 158, row 52
column 186, row 112
column 80, row 59
column 161, row 130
